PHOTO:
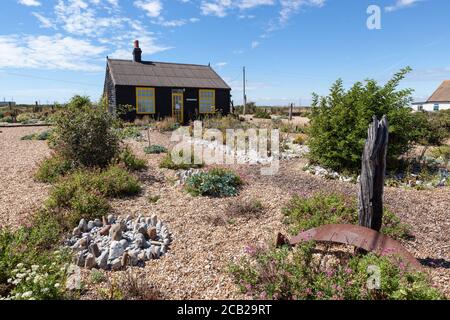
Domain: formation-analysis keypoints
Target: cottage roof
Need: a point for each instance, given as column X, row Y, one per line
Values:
column 163, row 74
column 442, row 94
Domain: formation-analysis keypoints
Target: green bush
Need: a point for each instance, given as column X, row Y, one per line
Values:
column 85, row 135
column 130, row 132
column 32, row 246
column 51, row 169
column 117, row 182
column 216, row 182
column 340, row 120
column 282, row 274
column 168, row 163
column 83, row 193
column 306, row 213
column 155, row 149
column 131, row 162
column 23, row 117
column 44, row 135
column 261, row 114
column 7, row 119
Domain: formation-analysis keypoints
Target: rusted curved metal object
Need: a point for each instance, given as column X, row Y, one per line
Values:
column 361, row 237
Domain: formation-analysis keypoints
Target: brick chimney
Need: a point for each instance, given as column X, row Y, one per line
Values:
column 137, row 52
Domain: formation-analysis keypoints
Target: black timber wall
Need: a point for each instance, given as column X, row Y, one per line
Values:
column 110, row 91
column 126, row 95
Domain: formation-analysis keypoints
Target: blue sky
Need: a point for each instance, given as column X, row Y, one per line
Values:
column 53, row 49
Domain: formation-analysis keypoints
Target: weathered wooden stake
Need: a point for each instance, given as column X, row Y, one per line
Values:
column 290, row 111
column 370, row 197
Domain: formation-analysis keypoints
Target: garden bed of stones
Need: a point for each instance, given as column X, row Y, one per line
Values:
column 117, row 242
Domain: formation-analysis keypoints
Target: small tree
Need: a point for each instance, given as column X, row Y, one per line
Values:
column 339, row 121
column 85, row 134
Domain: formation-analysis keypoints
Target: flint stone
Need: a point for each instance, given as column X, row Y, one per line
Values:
column 125, row 260
column 98, row 223
column 82, row 225
column 116, row 264
column 80, row 260
column 102, row 260
column 124, row 243
column 90, row 261
column 76, row 232
column 111, row 219
column 90, row 225
column 115, row 250
column 151, row 233
column 142, row 256
column 154, row 220
column 105, row 230
column 115, row 232
column 94, row 250
column 140, row 240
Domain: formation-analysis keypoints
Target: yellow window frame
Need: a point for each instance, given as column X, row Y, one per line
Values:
column 213, row 107
column 137, row 100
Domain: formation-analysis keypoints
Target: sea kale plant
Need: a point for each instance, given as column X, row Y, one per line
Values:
column 216, row 182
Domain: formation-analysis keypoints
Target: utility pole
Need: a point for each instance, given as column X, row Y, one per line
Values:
column 245, row 96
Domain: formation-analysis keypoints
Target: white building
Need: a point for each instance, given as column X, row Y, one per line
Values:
column 439, row 100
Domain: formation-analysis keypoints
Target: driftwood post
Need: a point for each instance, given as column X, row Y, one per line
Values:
column 370, row 197
column 290, row 111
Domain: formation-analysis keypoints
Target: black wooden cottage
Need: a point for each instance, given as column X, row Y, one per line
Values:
column 160, row 89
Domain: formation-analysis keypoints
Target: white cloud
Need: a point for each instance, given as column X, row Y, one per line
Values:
column 220, row 8
column 247, row 4
column 217, row 8
column 254, row 44
column 221, row 64
column 44, row 22
column 153, row 8
column 400, row 4
column 290, row 7
column 78, row 18
column 49, row 52
column 30, row 3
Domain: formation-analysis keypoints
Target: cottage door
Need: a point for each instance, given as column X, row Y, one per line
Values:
column 177, row 106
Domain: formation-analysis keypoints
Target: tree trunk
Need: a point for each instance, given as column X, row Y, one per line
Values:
column 370, row 197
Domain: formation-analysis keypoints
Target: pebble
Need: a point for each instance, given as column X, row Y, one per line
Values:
column 90, row 261
column 82, row 225
column 115, row 232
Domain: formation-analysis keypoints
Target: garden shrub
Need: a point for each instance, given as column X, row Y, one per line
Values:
column 130, row 132
column 246, row 208
column 167, row 124
column 442, row 153
column 7, row 119
column 83, row 193
column 168, row 163
column 155, row 149
column 283, row 274
column 217, row 182
column 131, row 162
column 24, row 117
column 44, row 135
column 117, row 182
column 32, row 248
column 261, row 114
column 300, row 139
column 51, row 169
column 306, row 213
column 85, row 135
column 340, row 120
